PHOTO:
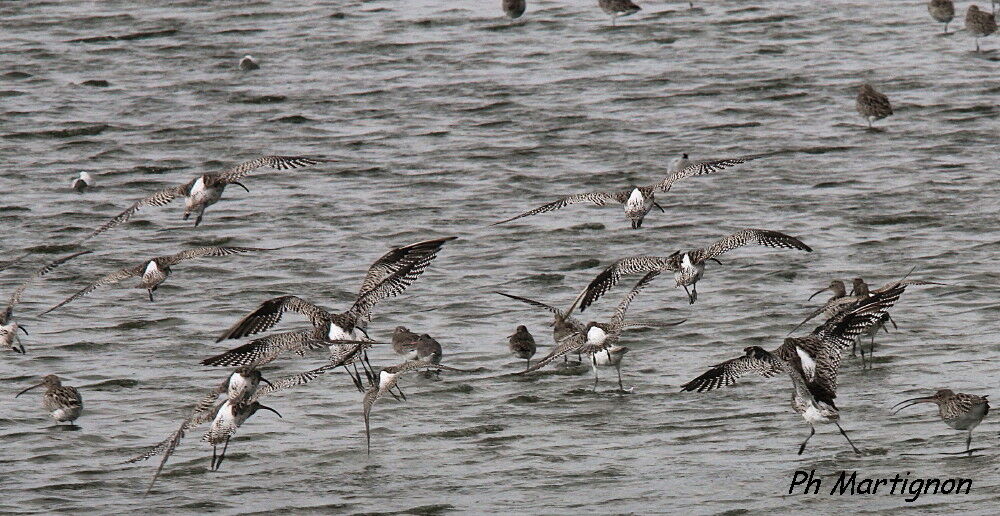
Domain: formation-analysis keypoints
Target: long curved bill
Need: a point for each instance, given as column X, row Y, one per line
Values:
column 28, row 389
column 911, row 402
column 271, row 409
column 818, row 292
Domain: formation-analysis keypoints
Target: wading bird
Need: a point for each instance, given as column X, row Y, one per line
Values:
column 980, row 23
column 872, row 105
column 617, row 8
column 942, row 11
column 958, row 410
column 62, row 402
column 522, row 345
column 9, row 339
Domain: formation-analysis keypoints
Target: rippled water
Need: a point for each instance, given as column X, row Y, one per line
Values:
column 444, row 118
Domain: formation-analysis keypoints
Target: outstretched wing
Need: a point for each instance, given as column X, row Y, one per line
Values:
column 598, row 198
column 289, row 382
column 829, row 309
column 568, row 344
column 15, row 298
column 261, row 351
column 841, row 330
column 557, row 312
column 416, row 365
column 726, row 373
column 161, row 198
column 276, row 162
column 110, row 279
column 399, row 258
column 888, row 286
column 610, row 277
column 700, row 168
column 391, row 286
column 269, row 313
column 752, row 236
column 202, row 252
column 618, row 319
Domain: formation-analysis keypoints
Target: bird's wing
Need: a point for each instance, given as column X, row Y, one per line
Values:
column 416, row 365
column 161, row 198
column 14, row 261
column 208, row 251
column 598, row 198
column 726, row 373
column 568, row 344
column 753, row 236
column 112, row 278
column 289, row 381
column 618, row 319
column 700, row 168
column 269, row 313
column 841, row 330
column 610, row 277
column 263, row 350
column 15, row 298
column 557, row 312
column 888, row 286
column 275, row 162
column 391, row 286
column 829, row 309
column 399, row 258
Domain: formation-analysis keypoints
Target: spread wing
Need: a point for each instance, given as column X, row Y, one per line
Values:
column 275, row 162
column 261, row 351
column 289, row 382
column 399, row 258
column 841, row 330
column 568, row 344
column 726, row 373
column 269, row 313
column 208, row 251
column 610, row 277
column 557, row 312
column 392, row 286
column 888, row 286
column 599, row 198
column 161, row 198
column 110, row 279
column 15, row 298
column 618, row 319
column 752, row 236
column 829, row 309
column 700, row 168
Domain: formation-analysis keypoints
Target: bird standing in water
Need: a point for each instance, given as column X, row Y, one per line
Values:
column 958, row 410
column 62, row 402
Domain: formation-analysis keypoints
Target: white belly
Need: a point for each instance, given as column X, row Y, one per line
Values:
column 66, row 414
column 338, row 333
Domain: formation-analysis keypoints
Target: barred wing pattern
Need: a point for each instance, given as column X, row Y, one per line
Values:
column 161, row 198
column 701, row 168
column 400, row 258
column 275, row 162
column 206, row 252
column 610, row 277
column 750, row 236
column 289, row 382
column 269, row 313
column 392, row 286
column 726, row 373
column 575, row 323
column 261, row 351
column 15, row 298
column 618, row 319
column 568, row 344
column 599, row 198
column 829, row 309
column 110, row 279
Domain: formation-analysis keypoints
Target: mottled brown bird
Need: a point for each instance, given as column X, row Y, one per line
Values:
column 873, row 105
column 980, row 23
column 942, row 11
column 957, row 410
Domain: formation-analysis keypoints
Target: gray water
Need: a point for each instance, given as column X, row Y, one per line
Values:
column 443, row 119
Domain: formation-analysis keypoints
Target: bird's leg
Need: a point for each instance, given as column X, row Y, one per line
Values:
column 620, row 386
column 842, row 432
column 688, row 292
column 214, row 448
column 400, row 391
column 528, row 365
column 593, row 361
column 355, row 377
column 945, row 27
column 223, row 455
column 150, row 294
column 968, row 444
column 812, row 432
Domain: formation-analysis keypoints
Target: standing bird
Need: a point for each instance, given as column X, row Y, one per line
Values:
column 522, row 345
column 872, row 105
column 980, row 23
column 513, row 8
column 155, row 271
column 942, row 11
column 63, row 403
column 206, row 189
column 404, row 342
column 639, row 200
column 688, row 266
column 618, row 8
column 248, row 63
column 812, row 362
column 83, row 182
column 9, row 339
column 959, row 411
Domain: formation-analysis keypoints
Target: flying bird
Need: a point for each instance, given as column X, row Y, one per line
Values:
column 9, row 339
column 638, row 200
column 687, row 266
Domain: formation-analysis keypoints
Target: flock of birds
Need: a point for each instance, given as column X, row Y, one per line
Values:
column 810, row 361
column 978, row 23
